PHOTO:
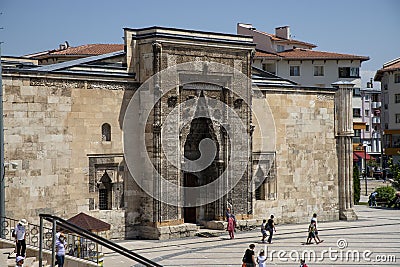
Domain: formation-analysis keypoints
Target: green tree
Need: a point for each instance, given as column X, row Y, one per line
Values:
column 356, row 184
column 395, row 170
column 386, row 193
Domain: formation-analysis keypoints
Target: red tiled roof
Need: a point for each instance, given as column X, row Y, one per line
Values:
column 390, row 66
column 266, row 55
column 299, row 53
column 90, row 49
column 291, row 41
column 89, row 223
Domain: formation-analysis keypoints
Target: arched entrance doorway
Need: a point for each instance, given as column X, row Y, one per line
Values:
column 201, row 128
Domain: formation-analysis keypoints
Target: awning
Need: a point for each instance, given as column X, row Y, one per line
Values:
column 355, row 158
column 360, row 154
column 89, row 223
column 359, row 125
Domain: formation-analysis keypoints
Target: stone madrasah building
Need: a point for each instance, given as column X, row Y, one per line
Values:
column 119, row 136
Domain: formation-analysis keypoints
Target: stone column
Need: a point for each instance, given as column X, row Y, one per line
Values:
column 157, row 210
column 344, row 134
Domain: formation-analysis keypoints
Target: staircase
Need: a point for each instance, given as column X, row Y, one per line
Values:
column 82, row 246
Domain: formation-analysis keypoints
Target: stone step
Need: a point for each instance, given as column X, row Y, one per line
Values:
column 36, row 264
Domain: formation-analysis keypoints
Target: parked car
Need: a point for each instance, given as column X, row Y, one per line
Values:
column 378, row 174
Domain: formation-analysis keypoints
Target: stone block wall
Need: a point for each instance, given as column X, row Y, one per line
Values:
column 306, row 157
column 51, row 126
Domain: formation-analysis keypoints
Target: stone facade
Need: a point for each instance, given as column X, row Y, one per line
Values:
column 65, row 131
column 52, row 126
column 306, row 157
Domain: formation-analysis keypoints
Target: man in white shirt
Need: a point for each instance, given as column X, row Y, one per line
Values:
column 19, row 232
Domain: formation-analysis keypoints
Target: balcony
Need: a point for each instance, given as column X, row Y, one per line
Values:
column 376, row 120
column 376, row 104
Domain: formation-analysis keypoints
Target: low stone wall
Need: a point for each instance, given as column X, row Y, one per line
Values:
column 240, row 224
column 165, row 232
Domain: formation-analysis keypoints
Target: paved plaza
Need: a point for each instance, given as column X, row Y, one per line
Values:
column 373, row 240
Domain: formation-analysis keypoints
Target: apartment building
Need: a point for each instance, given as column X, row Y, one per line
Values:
column 298, row 61
column 371, row 116
column 389, row 76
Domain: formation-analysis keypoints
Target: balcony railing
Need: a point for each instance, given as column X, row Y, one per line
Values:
column 376, row 104
column 376, row 120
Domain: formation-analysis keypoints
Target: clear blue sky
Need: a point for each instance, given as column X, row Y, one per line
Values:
column 369, row 28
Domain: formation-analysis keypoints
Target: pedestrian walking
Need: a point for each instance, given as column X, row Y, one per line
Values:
column 231, row 219
column 19, row 261
column 311, row 233
column 231, row 227
column 60, row 249
column 249, row 258
column 261, row 259
column 314, row 218
column 264, row 230
column 19, row 234
column 271, row 228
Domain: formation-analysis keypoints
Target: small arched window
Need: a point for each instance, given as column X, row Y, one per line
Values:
column 106, row 132
column 105, row 192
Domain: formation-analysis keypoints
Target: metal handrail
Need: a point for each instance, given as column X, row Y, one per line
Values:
column 77, row 247
column 95, row 238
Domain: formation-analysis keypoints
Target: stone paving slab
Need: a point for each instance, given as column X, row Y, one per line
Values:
column 374, row 238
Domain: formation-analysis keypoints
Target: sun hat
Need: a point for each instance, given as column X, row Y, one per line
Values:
column 23, row 222
column 19, row 258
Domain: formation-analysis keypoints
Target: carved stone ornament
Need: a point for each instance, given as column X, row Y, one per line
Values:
column 157, row 127
column 172, row 100
column 157, row 47
column 238, row 103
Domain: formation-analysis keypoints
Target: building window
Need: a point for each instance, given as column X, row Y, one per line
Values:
column 397, row 98
column 397, row 118
column 397, row 78
column 356, row 112
column 367, row 112
column 349, row 72
column 105, row 189
column 385, row 86
column 357, row 136
column 264, row 67
column 367, row 128
column 280, row 48
column 106, row 132
column 318, row 70
column 366, row 98
column 266, row 183
column 356, row 91
column 294, row 70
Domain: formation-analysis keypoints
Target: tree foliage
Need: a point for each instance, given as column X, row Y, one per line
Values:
column 386, row 193
column 395, row 170
column 356, row 184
